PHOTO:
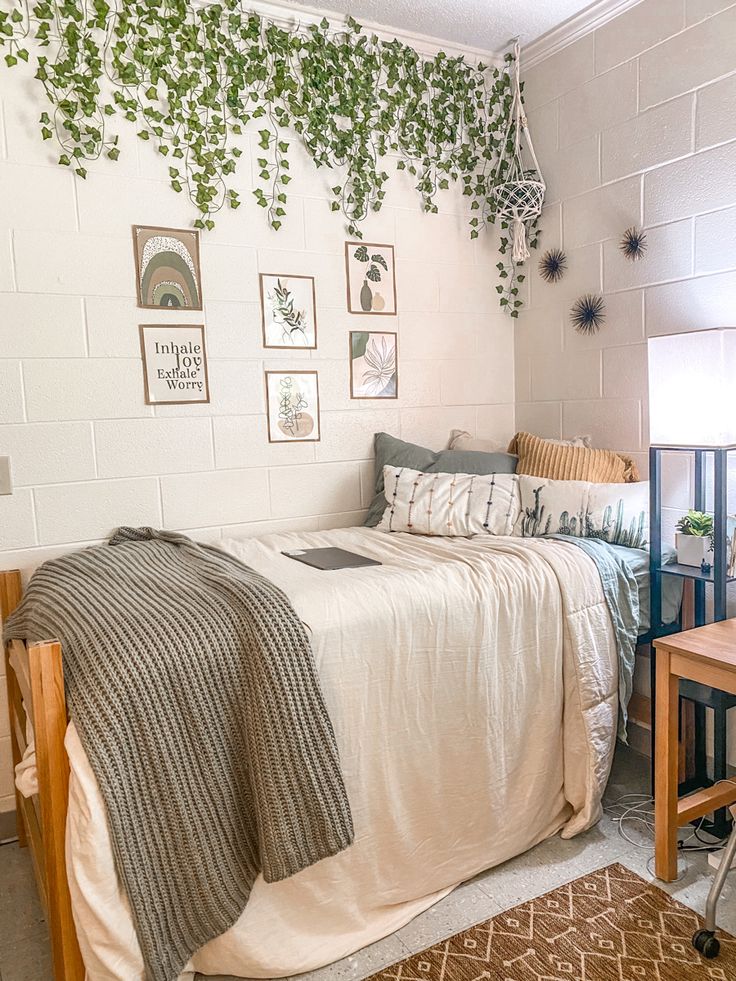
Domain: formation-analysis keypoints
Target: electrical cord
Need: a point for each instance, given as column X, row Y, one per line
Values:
column 639, row 809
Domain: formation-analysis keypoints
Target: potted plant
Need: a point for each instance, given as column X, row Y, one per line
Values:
column 694, row 539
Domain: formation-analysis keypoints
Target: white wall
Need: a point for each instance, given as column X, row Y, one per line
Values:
column 88, row 454
column 634, row 124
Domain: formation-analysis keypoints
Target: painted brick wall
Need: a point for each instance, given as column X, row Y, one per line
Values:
column 634, row 124
column 88, row 454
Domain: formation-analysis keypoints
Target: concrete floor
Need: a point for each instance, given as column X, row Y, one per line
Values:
column 24, row 954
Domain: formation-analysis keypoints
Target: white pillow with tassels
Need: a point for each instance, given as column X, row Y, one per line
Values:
column 450, row 504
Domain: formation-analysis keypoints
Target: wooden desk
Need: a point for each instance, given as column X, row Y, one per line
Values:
column 707, row 655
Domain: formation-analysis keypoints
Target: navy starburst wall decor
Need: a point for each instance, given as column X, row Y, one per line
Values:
column 552, row 265
column 633, row 244
column 588, row 313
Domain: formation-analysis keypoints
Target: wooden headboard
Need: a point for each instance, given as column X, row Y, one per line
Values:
column 37, row 707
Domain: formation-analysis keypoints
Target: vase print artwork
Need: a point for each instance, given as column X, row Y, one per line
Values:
column 371, row 278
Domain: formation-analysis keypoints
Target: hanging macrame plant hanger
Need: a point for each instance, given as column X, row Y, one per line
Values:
column 520, row 197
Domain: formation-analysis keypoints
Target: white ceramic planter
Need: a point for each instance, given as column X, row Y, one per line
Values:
column 691, row 550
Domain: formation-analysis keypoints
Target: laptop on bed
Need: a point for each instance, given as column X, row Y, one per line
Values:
column 329, row 558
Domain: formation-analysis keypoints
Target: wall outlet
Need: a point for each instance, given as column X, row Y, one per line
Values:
column 6, row 481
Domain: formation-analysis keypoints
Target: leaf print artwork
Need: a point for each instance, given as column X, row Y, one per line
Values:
column 288, row 311
column 293, row 406
column 373, row 365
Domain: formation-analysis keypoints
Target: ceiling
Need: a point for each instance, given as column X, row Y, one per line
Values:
column 485, row 24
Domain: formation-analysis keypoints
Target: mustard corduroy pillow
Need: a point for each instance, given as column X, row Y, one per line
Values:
column 543, row 458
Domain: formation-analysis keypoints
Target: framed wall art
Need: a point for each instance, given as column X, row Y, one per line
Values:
column 174, row 364
column 371, row 278
column 292, row 406
column 374, row 365
column 167, row 268
column 288, row 311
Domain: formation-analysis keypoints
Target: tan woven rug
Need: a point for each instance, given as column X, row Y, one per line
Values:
column 607, row 926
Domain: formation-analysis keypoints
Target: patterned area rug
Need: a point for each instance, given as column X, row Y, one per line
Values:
column 607, row 926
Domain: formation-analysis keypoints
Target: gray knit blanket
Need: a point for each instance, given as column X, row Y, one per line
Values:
column 192, row 684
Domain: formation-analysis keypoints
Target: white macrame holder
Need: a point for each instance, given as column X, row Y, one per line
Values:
column 519, row 199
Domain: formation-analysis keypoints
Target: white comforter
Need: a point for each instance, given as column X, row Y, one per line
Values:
column 472, row 685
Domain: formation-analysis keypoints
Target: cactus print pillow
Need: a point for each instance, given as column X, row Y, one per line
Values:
column 452, row 505
column 616, row 513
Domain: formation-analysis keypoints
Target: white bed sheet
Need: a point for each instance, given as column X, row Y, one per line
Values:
column 472, row 685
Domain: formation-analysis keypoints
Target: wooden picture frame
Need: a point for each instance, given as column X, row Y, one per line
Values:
column 394, row 373
column 202, row 373
column 262, row 284
column 272, row 422
column 184, row 235
column 357, row 307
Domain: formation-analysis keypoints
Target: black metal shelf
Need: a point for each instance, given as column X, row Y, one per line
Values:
column 689, row 572
column 717, row 580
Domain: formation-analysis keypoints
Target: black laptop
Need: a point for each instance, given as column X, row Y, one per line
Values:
column 329, row 558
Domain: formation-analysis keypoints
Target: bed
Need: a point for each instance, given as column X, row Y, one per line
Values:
column 473, row 687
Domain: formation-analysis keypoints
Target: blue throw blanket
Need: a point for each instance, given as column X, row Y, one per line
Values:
column 622, row 598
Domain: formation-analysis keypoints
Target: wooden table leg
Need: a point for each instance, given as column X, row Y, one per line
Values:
column 666, row 770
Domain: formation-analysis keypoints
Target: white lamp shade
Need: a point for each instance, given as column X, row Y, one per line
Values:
column 692, row 388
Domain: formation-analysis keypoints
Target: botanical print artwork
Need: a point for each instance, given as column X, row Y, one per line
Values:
column 288, row 313
column 292, row 399
column 174, row 363
column 374, row 372
column 371, row 278
column 167, row 267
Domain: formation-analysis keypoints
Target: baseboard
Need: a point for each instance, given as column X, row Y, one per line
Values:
column 7, row 825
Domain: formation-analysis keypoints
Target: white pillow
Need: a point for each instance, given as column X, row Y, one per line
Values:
column 616, row 513
column 450, row 504
column 460, row 439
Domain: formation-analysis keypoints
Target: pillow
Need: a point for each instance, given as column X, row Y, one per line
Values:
column 451, row 505
column 545, row 458
column 616, row 513
column 462, row 440
column 393, row 451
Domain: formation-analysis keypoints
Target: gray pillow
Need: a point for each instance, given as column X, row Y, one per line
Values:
column 397, row 453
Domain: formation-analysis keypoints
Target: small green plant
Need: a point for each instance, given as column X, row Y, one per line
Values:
column 696, row 523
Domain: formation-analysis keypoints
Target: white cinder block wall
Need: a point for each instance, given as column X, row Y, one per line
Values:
column 88, row 454
column 634, row 124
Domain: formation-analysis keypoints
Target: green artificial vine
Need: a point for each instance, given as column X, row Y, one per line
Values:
column 191, row 78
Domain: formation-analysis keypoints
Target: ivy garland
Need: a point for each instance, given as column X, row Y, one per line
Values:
column 190, row 78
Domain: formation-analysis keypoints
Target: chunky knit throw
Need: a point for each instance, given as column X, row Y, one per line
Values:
column 191, row 681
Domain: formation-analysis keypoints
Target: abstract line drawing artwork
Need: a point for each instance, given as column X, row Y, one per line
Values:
column 167, row 268
column 288, row 311
column 292, row 400
column 374, row 370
